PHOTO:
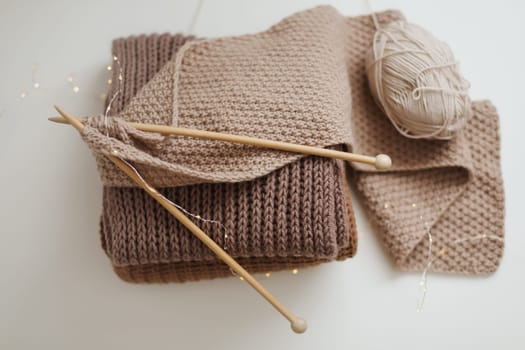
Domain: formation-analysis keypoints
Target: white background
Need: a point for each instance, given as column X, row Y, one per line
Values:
column 57, row 289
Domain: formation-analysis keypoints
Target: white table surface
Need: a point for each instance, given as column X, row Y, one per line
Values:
column 57, row 289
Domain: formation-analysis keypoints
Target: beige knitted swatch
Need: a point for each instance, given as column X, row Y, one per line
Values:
column 303, row 81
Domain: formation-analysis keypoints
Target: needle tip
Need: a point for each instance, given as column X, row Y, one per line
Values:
column 70, row 119
column 383, row 162
column 299, row 325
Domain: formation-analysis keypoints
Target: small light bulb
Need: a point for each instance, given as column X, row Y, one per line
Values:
column 295, row 271
column 413, row 205
column 76, row 89
column 23, row 94
column 267, row 274
column 36, row 85
column 108, row 67
column 115, row 58
column 110, row 81
column 241, row 278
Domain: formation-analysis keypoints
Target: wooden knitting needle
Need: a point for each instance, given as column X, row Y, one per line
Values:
column 381, row 161
column 298, row 324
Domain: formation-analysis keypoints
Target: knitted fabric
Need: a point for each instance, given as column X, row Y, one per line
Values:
column 304, row 81
column 455, row 187
column 287, row 84
column 299, row 215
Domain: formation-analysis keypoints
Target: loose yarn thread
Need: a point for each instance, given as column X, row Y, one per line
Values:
column 416, row 81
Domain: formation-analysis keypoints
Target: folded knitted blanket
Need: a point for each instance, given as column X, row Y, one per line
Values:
column 299, row 215
column 303, row 80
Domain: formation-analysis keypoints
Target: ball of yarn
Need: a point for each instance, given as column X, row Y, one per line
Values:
column 416, row 81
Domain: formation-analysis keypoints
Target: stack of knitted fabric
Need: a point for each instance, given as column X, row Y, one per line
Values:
column 301, row 81
column 296, row 216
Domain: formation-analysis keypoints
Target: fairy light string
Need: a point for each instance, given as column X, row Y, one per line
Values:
column 119, row 88
column 34, row 82
column 72, row 82
column 423, row 282
column 431, row 257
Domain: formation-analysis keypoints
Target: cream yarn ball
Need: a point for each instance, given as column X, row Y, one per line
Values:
column 415, row 80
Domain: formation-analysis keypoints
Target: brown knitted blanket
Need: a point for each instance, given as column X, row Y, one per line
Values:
column 303, row 81
column 299, row 215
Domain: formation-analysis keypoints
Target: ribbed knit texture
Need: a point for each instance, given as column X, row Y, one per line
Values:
column 296, row 216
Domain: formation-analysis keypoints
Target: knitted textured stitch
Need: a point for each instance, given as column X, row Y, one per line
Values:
column 297, row 216
column 287, row 84
column 299, row 85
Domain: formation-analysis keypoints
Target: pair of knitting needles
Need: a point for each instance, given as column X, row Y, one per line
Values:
column 298, row 324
